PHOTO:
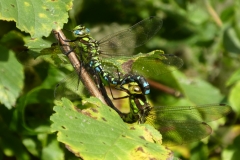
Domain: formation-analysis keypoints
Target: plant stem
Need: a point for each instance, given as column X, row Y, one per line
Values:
column 213, row 13
column 164, row 88
column 85, row 77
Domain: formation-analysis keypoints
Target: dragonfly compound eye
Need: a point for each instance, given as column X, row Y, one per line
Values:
column 80, row 31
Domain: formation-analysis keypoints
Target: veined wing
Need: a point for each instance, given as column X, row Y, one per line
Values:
column 153, row 65
column 135, row 36
column 184, row 124
column 52, row 55
column 71, row 87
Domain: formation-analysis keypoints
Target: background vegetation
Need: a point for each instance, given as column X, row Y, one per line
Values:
column 205, row 34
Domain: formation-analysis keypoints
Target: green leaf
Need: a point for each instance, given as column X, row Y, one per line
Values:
column 37, row 44
column 232, row 152
column 234, row 97
column 150, row 65
column 227, row 12
column 198, row 91
column 181, row 3
column 99, row 133
column 41, row 98
column 52, row 151
column 231, row 41
column 45, row 50
column 31, row 146
column 36, row 17
column 198, row 14
column 10, row 144
column 11, row 79
column 12, row 39
column 155, row 64
column 200, row 152
column 234, row 78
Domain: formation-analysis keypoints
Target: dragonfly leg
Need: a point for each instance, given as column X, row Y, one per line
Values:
column 104, row 93
column 121, row 88
column 66, row 40
column 72, row 49
column 116, row 98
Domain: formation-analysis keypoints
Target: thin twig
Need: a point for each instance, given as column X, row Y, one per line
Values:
column 164, row 88
column 85, row 77
column 213, row 13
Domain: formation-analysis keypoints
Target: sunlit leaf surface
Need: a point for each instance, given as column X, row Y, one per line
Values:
column 100, row 133
column 11, row 79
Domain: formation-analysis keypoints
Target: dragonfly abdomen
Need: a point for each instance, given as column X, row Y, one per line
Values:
column 95, row 63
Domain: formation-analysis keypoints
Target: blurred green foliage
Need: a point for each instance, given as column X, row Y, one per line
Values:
column 205, row 34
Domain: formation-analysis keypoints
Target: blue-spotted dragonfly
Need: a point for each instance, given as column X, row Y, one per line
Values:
column 92, row 54
column 91, row 51
column 177, row 124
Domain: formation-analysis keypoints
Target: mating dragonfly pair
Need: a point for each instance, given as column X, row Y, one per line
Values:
column 177, row 125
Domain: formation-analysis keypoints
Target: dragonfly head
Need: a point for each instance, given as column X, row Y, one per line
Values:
column 142, row 84
column 80, row 31
column 134, row 88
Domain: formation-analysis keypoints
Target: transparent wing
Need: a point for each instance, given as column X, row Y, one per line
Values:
column 119, row 43
column 71, row 87
column 53, row 55
column 184, row 124
column 112, row 70
column 153, row 65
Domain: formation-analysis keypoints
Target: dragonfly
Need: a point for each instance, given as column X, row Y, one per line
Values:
column 177, row 124
column 92, row 55
column 91, row 51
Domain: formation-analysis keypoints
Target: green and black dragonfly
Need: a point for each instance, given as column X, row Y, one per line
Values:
column 92, row 54
column 177, row 124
